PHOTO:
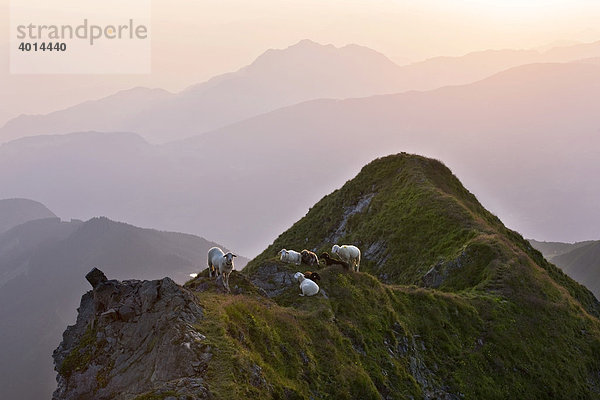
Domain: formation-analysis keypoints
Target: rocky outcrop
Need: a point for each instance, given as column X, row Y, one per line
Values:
column 133, row 338
column 273, row 278
column 438, row 274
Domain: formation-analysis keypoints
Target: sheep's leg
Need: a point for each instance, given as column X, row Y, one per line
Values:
column 226, row 281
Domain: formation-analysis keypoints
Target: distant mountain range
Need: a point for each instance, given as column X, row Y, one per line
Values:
column 580, row 260
column 516, row 139
column 550, row 250
column 583, row 265
column 14, row 212
column 41, row 264
column 277, row 78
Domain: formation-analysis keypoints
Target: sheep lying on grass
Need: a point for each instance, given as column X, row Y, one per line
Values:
column 221, row 264
column 309, row 258
column 313, row 276
column 307, row 286
column 290, row 256
column 332, row 261
column 348, row 253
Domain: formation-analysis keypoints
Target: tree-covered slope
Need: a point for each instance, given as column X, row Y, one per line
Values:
column 449, row 304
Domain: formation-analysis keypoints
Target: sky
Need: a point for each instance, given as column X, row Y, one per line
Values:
column 194, row 40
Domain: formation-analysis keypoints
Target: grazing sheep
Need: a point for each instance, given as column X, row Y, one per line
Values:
column 221, row 264
column 332, row 261
column 313, row 276
column 310, row 258
column 290, row 256
column 307, row 286
column 348, row 253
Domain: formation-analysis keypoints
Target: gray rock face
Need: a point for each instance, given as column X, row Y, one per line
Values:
column 133, row 338
column 438, row 274
column 273, row 279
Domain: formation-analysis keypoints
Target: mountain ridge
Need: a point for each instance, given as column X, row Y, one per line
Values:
column 312, row 71
column 16, row 211
column 499, row 325
column 583, row 264
column 485, row 132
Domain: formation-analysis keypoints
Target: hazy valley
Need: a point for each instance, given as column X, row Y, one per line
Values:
column 451, row 302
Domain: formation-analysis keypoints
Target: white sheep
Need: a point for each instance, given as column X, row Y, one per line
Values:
column 221, row 264
column 308, row 287
column 348, row 253
column 290, row 256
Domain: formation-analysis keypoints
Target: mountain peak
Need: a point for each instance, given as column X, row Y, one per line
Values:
column 503, row 323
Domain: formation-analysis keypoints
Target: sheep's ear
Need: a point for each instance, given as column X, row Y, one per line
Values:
column 234, row 255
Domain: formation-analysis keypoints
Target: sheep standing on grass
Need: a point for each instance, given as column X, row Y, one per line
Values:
column 221, row 264
column 290, row 256
column 307, row 286
column 309, row 258
column 332, row 261
column 348, row 253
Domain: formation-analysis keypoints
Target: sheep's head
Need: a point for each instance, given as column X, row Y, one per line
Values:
column 282, row 253
column 324, row 255
column 299, row 276
column 229, row 258
column 335, row 249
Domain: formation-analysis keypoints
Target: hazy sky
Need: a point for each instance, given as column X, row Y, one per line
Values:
column 196, row 39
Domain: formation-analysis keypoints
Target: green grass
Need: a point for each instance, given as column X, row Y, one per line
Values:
column 362, row 340
column 79, row 358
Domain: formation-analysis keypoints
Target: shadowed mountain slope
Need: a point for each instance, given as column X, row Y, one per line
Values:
column 553, row 249
column 583, row 265
column 14, row 212
column 41, row 263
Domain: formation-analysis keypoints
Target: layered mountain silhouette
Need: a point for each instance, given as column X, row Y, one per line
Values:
column 14, row 212
column 41, row 263
column 277, row 78
column 582, row 264
column 517, row 139
column 550, row 250
column 449, row 304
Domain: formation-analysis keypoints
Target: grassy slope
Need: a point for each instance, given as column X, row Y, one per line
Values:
column 420, row 215
column 506, row 324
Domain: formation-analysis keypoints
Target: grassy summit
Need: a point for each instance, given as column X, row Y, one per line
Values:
column 503, row 322
column 410, row 215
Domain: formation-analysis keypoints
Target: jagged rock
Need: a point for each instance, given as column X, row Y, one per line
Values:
column 95, row 277
column 133, row 338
